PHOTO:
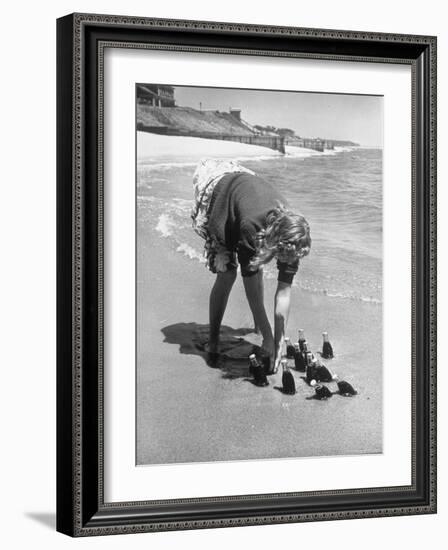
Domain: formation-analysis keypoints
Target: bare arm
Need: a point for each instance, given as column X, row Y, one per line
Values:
column 281, row 314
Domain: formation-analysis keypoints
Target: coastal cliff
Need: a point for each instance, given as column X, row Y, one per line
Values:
column 158, row 114
column 186, row 121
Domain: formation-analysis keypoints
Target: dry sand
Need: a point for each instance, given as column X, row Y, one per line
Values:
column 188, row 411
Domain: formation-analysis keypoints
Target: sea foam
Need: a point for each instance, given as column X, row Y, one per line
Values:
column 165, row 225
column 190, row 252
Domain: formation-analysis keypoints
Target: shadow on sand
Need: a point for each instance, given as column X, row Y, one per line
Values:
column 234, row 347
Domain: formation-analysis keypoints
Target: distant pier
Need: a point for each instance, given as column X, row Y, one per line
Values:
column 316, row 144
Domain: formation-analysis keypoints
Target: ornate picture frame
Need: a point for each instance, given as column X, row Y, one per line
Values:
column 81, row 43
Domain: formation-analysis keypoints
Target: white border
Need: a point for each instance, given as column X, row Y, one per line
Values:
column 123, row 481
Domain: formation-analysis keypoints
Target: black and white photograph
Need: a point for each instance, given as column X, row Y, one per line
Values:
column 219, row 270
column 259, row 266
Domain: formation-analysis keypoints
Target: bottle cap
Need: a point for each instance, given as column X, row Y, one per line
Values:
column 252, row 356
column 301, row 334
column 313, row 383
column 325, row 336
column 287, row 339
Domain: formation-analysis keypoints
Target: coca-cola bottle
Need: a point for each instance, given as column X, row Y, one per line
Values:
column 301, row 338
column 299, row 361
column 327, row 349
column 321, row 391
column 288, row 383
column 257, row 371
column 346, row 389
column 322, row 373
column 289, row 348
column 304, row 348
column 310, row 368
column 253, row 363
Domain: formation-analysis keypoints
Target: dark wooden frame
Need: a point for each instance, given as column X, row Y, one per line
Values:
column 81, row 39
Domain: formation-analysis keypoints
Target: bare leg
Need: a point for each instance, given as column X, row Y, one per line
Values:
column 252, row 288
column 218, row 301
column 259, row 277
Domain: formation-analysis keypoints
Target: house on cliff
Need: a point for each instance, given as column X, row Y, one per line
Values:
column 155, row 95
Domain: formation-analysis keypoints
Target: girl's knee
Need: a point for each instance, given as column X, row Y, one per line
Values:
column 228, row 276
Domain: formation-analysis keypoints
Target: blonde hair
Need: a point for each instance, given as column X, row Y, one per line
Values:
column 285, row 232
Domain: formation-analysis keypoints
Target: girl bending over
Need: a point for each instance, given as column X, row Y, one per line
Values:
column 245, row 220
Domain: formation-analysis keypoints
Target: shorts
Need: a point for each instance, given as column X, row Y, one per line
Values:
column 207, row 174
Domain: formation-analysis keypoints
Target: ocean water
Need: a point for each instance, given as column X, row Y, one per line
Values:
column 338, row 192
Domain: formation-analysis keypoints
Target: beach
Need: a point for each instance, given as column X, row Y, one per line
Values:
column 188, row 411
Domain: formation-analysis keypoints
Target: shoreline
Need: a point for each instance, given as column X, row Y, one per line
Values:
column 157, row 150
column 188, row 411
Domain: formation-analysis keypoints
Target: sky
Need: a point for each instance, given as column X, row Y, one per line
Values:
column 333, row 116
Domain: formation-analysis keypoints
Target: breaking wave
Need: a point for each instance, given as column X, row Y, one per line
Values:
column 341, row 196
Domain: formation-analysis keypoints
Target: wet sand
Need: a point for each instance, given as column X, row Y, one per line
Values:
column 188, row 411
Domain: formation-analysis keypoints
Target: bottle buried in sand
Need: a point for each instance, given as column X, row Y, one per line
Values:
column 288, row 383
column 322, row 373
column 301, row 339
column 289, row 348
column 321, row 392
column 257, row 371
column 253, row 363
column 327, row 349
column 299, row 361
column 346, row 389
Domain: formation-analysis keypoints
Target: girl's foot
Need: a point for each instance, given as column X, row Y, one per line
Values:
column 212, row 352
column 211, row 348
column 212, row 360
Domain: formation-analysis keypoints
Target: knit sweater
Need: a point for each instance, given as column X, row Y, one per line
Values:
column 238, row 209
